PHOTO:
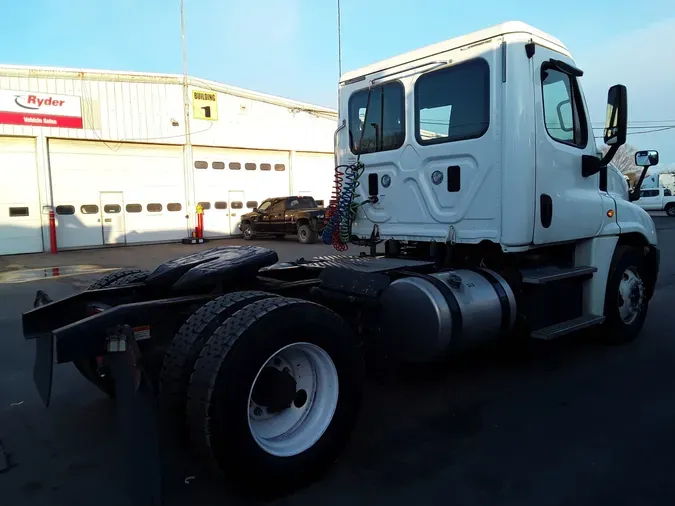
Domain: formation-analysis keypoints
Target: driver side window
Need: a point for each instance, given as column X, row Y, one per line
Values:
column 563, row 110
column 265, row 205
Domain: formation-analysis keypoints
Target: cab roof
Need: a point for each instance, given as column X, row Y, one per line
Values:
column 510, row 27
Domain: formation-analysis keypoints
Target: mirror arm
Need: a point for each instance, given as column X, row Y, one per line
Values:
column 591, row 165
column 635, row 192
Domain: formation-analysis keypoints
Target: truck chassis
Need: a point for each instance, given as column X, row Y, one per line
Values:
column 206, row 337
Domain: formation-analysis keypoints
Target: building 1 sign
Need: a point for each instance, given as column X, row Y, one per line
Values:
column 205, row 105
column 40, row 109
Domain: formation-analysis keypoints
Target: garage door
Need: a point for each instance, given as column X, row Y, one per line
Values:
column 313, row 175
column 117, row 193
column 20, row 220
column 231, row 182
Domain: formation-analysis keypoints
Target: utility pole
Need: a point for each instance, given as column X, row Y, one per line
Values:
column 188, row 173
column 339, row 41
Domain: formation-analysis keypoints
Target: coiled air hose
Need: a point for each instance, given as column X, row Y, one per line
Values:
column 342, row 208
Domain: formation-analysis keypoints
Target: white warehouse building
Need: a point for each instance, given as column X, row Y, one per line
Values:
column 111, row 154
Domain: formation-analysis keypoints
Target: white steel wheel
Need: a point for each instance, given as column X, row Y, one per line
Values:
column 631, row 296
column 293, row 399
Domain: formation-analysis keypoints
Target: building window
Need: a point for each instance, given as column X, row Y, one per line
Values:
column 134, row 208
column 65, row 210
column 249, row 166
column 174, row 207
column 218, row 165
column 205, row 205
column 220, row 205
column 201, row 165
column 251, row 204
column 385, row 121
column 235, row 166
column 564, row 115
column 236, row 205
column 18, row 212
column 154, row 208
column 112, row 208
column 89, row 209
column 453, row 104
column 279, row 167
column 265, row 166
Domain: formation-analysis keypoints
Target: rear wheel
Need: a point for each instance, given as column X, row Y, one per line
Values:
column 670, row 210
column 184, row 349
column 626, row 301
column 90, row 368
column 306, row 235
column 273, row 402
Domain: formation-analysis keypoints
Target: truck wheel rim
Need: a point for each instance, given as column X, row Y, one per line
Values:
column 670, row 211
column 631, row 295
column 310, row 411
column 303, row 234
column 247, row 232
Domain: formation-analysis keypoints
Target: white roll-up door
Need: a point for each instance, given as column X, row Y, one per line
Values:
column 20, row 220
column 313, row 175
column 117, row 193
column 231, row 182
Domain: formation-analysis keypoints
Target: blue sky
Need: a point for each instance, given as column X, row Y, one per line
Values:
column 289, row 47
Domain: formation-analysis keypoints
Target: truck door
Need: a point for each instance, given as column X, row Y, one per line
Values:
column 568, row 205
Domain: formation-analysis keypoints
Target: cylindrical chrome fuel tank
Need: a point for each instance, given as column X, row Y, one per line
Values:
column 424, row 316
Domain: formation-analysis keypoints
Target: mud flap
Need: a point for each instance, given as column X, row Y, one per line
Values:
column 43, row 366
column 138, row 421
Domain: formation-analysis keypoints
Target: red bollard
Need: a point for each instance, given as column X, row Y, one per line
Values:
column 52, row 232
column 200, row 225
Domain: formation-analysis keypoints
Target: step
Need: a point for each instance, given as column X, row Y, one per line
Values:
column 550, row 273
column 567, row 327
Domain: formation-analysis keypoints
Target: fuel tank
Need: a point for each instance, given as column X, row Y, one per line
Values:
column 425, row 316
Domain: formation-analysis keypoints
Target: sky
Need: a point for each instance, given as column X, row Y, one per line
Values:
column 289, row 47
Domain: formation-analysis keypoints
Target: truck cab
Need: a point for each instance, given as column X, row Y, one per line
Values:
column 479, row 152
column 479, row 138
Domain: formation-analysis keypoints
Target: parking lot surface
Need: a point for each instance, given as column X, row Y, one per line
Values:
column 567, row 423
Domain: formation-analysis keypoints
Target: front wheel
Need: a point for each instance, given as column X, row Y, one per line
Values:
column 670, row 210
column 273, row 402
column 626, row 300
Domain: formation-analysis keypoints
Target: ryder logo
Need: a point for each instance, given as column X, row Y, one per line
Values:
column 34, row 103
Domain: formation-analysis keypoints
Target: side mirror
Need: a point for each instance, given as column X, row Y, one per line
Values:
column 616, row 125
column 255, row 210
column 647, row 158
column 617, row 116
column 644, row 159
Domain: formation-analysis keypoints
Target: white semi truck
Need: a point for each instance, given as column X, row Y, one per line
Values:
column 472, row 164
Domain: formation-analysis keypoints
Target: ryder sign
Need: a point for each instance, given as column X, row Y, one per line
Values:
column 40, row 109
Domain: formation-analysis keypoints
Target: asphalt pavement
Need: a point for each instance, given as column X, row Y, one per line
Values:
column 569, row 423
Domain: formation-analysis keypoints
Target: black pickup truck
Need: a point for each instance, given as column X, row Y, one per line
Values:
column 280, row 216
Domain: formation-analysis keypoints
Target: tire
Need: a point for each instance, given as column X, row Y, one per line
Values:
column 220, row 409
column 184, row 349
column 627, row 273
column 670, row 210
column 89, row 367
column 247, row 231
column 306, row 235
